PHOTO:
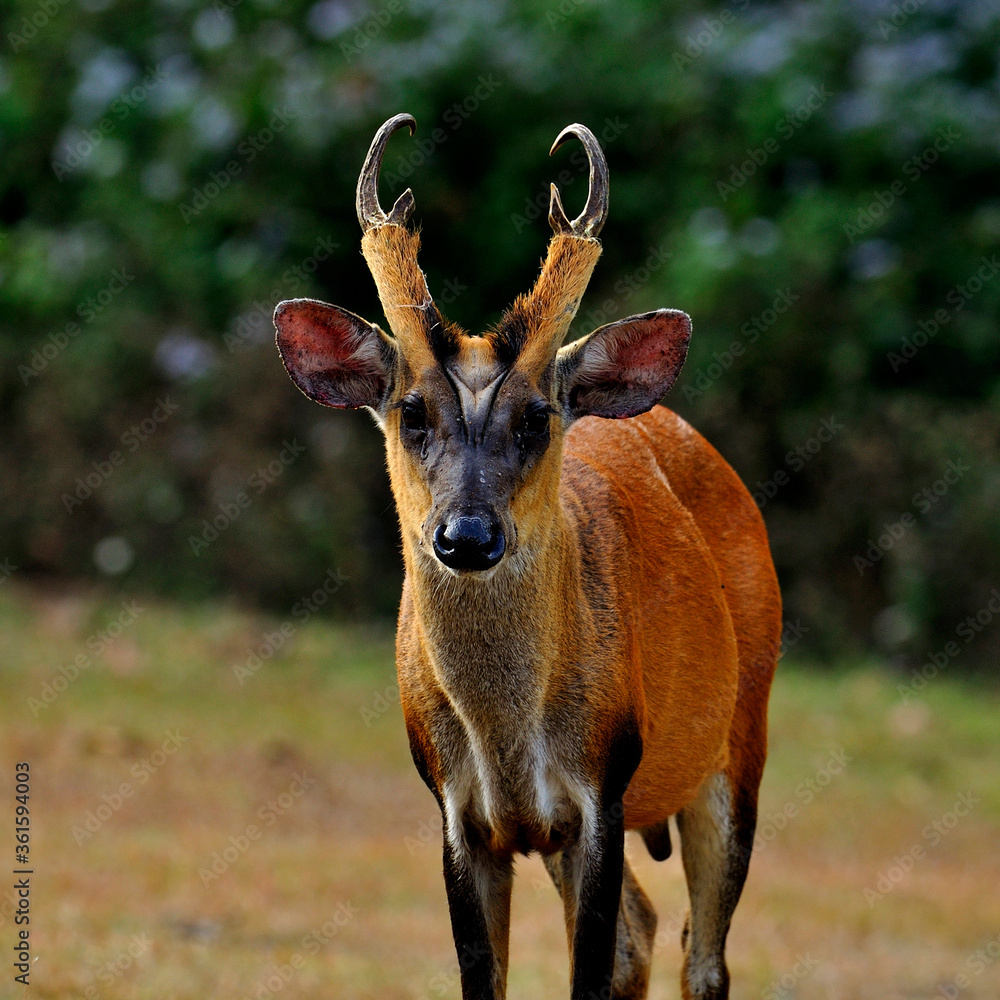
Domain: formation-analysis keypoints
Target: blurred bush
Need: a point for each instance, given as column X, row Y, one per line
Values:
column 814, row 182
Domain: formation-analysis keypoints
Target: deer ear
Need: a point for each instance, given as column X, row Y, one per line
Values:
column 625, row 368
column 333, row 356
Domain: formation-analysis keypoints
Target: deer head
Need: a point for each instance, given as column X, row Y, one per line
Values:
column 474, row 424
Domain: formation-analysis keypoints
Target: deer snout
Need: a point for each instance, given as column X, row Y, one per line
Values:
column 470, row 541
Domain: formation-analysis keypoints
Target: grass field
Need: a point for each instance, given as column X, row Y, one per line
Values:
column 200, row 831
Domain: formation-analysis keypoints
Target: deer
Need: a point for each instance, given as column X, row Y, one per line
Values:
column 590, row 617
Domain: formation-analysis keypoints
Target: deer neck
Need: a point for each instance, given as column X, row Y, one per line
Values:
column 494, row 642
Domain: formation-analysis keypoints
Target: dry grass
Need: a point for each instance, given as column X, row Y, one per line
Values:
column 353, row 860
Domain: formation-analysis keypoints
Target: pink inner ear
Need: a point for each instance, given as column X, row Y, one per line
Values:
column 655, row 344
column 314, row 336
column 625, row 368
column 332, row 355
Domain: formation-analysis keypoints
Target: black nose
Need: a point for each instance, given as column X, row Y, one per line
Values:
column 475, row 542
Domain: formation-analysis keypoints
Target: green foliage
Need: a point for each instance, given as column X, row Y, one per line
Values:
column 814, row 183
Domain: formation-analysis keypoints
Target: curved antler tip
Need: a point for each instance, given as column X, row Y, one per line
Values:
column 408, row 120
column 591, row 220
column 568, row 132
column 370, row 213
column 398, row 121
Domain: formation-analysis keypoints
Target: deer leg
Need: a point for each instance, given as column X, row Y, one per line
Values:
column 635, row 932
column 634, row 944
column 596, row 866
column 478, row 883
column 559, row 867
column 717, row 831
column 589, row 872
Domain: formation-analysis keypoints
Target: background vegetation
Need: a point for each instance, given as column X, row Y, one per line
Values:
column 814, row 182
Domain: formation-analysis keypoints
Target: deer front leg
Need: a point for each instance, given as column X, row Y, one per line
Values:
column 594, row 867
column 478, row 883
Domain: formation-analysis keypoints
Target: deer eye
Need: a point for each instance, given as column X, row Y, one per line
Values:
column 535, row 421
column 413, row 414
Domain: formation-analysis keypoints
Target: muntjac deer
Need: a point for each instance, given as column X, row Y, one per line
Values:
column 590, row 616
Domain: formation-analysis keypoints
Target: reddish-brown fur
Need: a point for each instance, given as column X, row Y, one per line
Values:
column 611, row 667
column 731, row 596
column 654, row 486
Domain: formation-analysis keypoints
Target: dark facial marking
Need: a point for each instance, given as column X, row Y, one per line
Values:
column 441, row 335
column 511, row 334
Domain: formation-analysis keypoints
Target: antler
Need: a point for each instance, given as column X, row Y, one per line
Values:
column 536, row 324
column 370, row 213
column 589, row 223
column 390, row 250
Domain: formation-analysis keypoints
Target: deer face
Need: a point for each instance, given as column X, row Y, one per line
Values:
column 474, row 424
